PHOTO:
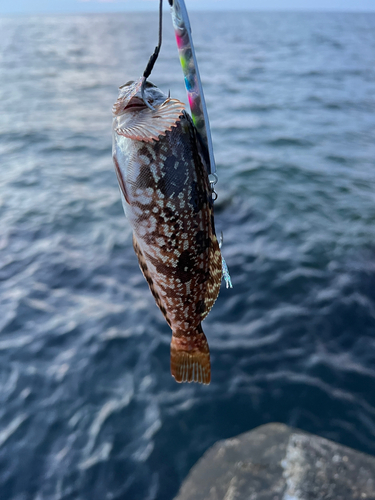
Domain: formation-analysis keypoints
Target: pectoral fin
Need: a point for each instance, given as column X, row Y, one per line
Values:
column 147, row 125
column 120, row 180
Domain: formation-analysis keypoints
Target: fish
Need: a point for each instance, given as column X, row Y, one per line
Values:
column 161, row 166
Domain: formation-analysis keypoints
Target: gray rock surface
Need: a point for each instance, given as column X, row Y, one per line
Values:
column 276, row 462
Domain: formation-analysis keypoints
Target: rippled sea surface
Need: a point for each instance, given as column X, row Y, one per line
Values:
column 88, row 409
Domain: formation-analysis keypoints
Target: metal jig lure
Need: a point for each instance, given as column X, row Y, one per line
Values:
column 193, row 82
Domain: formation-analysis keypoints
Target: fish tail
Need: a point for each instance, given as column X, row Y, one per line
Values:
column 190, row 357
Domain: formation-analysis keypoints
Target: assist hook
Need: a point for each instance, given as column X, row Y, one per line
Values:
column 153, row 58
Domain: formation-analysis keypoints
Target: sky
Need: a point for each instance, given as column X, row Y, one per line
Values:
column 76, row 6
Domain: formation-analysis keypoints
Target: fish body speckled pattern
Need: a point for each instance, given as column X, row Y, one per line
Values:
column 163, row 176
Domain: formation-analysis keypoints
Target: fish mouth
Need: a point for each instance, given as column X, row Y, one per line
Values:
column 135, row 104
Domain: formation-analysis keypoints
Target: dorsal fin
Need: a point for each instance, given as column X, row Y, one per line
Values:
column 200, row 144
column 215, row 263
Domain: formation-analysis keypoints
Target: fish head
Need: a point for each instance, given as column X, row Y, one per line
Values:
column 130, row 97
column 133, row 117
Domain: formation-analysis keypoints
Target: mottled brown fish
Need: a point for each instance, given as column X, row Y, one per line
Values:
column 161, row 167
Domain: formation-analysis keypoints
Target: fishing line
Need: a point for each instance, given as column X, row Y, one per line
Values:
column 154, row 56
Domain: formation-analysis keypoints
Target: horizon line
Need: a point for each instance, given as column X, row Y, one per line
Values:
column 234, row 10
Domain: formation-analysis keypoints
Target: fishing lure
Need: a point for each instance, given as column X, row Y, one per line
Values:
column 193, row 82
column 194, row 89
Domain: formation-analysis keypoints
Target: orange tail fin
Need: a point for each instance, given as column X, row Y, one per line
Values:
column 190, row 358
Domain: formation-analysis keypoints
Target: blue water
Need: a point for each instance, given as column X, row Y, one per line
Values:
column 88, row 409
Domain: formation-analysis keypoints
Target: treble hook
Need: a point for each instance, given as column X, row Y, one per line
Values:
column 154, row 56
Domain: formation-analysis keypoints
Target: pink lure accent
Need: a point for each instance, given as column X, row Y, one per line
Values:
column 180, row 41
column 191, row 100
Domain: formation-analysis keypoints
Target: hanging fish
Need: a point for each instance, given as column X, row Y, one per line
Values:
column 161, row 167
column 163, row 159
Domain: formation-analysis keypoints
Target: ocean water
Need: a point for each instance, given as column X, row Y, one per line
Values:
column 88, row 409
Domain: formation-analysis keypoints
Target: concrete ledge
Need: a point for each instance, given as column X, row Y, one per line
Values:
column 276, row 462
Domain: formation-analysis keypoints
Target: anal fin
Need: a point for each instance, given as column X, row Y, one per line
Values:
column 214, row 281
column 190, row 358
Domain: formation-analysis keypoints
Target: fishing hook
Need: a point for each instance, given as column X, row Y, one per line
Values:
column 154, row 56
